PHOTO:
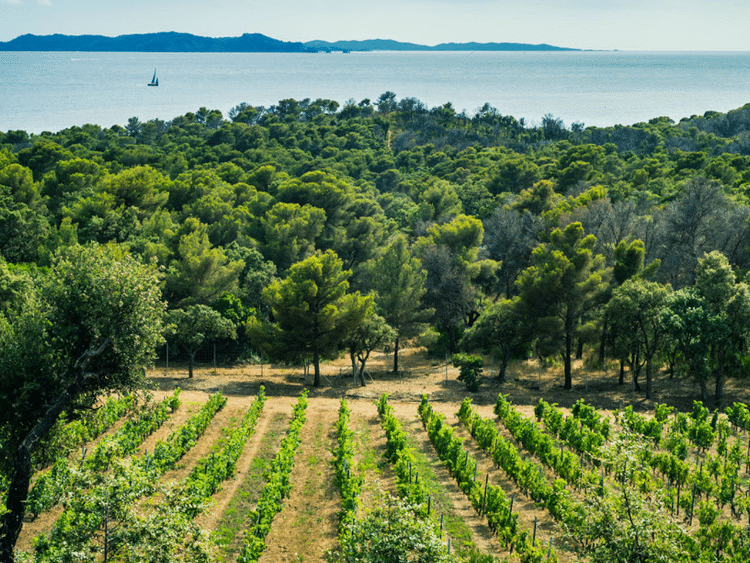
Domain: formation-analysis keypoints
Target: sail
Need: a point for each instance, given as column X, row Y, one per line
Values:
column 154, row 80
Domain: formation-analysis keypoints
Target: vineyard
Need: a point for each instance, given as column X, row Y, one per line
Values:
column 260, row 469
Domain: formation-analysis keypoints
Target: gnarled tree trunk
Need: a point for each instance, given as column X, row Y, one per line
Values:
column 18, row 491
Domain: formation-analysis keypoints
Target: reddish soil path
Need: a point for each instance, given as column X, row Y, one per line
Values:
column 275, row 410
column 307, row 527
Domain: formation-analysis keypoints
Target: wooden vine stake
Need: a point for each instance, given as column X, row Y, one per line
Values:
column 484, row 501
column 510, row 509
column 692, row 506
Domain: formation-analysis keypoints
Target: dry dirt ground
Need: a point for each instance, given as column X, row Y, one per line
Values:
column 307, row 527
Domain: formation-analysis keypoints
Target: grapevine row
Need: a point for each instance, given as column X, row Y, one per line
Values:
column 210, row 472
column 575, row 432
column 551, row 453
column 403, row 461
column 131, row 478
column 686, row 484
column 348, row 481
column 590, row 417
column 527, row 475
column 402, row 458
column 51, row 486
column 276, row 488
column 127, row 440
column 188, row 499
column 720, row 479
column 492, row 503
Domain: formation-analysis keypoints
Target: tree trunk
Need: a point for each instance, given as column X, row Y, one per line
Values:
column 18, row 491
column 719, row 389
column 353, row 358
column 191, row 362
column 566, row 359
column 635, row 368
column 501, row 370
column 704, row 390
column 603, row 341
column 579, row 350
column 16, row 503
column 649, row 379
column 362, row 362
column 622, row 372
column 395, row 355
column 316, row 363
column 452, row 340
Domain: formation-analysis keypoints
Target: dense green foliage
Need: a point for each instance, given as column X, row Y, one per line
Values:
column 390, row 533
column 433, row 215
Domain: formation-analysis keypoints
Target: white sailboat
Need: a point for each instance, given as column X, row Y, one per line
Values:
column 154, row 80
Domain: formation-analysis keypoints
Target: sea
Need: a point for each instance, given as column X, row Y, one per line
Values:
column 51, row 91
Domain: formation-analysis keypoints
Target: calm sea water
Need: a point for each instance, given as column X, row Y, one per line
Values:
column 52, row 91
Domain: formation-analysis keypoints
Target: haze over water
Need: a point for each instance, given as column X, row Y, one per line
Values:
column 44, row 91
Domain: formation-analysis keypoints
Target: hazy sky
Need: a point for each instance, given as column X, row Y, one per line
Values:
column 585, row 24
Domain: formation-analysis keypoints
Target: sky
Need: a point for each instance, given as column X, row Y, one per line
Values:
column 647, row 25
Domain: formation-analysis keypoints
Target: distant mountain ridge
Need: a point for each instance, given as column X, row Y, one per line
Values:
column 173, row 42
column 390, row 45
column 165, row 42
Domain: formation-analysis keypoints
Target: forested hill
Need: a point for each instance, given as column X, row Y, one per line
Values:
column 167, row 42
column 477, row 231
column 172, row 42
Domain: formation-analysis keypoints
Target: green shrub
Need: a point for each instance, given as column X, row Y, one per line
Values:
column 470, row 370
column 391, row 533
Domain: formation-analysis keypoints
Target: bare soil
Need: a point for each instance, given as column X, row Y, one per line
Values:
column 307, row 527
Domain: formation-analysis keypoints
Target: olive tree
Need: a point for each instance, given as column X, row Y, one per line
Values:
column 93, row 323
column 194, row 326
column 635, row 313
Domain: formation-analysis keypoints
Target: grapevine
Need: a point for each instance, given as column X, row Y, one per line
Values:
column 276, row 488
